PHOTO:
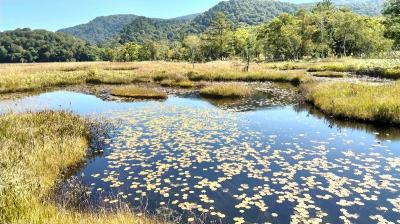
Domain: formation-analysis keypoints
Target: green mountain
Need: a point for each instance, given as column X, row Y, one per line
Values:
column 125, row 28
column 101, row 28
column 26, row 45
column 249, row 12
column 363, row 7
column 142, row 28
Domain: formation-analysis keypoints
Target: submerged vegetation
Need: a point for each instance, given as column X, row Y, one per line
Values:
column 226, row 91
column 365, row 102
column 35, row 150
column 138, row 92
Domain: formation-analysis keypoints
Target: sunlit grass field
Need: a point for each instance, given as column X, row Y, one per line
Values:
column 28, row 77
column 383, row 68
column 35, row 149
column 365, row 102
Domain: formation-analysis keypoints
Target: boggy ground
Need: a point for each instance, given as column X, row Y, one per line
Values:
column 25, row 185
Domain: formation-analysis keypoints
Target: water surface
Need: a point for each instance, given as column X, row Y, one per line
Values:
column 225, row 162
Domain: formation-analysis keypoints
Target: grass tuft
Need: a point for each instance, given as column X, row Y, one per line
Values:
column 138, row 92
column 182, row 84
column 226, row 91
column 364, row 102
column 35, row 150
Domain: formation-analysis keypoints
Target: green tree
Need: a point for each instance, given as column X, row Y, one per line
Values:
column 392, row 14
column 245, row 41
column 218, row 36
column 192, row 44
column 281, row 38
column 148, row 51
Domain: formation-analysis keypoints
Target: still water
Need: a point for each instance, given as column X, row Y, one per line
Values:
column 268, row 161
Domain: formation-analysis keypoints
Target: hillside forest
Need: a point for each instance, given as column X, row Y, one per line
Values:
column 323, row 31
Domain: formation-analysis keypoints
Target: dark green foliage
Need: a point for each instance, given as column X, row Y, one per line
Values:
column 392, row 14
column 101, row 28
column 25, row 45
column 142, row 29
column 243, row 12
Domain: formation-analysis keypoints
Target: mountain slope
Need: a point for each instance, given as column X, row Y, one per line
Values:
column 101, row 28
column 142, row 28
column 250, row 12
column 363, row 7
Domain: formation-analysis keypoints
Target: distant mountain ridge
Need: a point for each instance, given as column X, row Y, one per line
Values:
column 101, row 28
column 250, row 12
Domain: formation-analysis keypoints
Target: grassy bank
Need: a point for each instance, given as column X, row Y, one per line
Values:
column 35, row 149
column 138, row 92
column 364, row 102
column 232, row 90
column 27, row 77
column 383, row 68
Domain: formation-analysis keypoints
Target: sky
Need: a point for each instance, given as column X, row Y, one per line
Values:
column 56, row 14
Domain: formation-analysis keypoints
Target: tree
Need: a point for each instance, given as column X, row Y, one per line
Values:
column 26, row 45
column 148, row 51
column 322, row 15
column 281, row 38
column 392, row 14
column 245, row 42
column 218, row 35
column 192, row 43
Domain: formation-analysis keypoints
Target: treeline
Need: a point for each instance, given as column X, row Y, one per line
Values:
column 324, row 31
column 25, row 45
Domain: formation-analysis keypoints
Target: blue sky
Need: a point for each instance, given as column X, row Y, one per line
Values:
column 56, row 14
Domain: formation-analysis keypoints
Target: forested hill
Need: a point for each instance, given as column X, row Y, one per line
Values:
column 142, row 28
column 251, row 12
column 101, row 28
column 26, row 45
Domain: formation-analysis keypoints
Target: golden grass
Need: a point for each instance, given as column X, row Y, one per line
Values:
column 35, row 149
column 365, row 102
column 231, row 90
column 138, row 92
column 384, row 68
column 27, row 77
column 181, row 84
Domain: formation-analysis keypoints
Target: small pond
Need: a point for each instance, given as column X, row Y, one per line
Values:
column 268, row 160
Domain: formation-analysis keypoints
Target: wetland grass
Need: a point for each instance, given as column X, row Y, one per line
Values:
column 186, row 84
column 35, row 150
column 382, row 68
column 138, row 92
column 231, row 90
column 29, row 77
column 364, row 102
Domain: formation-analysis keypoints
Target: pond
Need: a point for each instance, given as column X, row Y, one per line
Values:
column 268, row 160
